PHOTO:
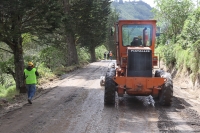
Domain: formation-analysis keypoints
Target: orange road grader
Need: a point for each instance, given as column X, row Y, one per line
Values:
column 134, row 72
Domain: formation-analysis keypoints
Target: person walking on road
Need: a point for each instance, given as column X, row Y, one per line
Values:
column 110, row 55
column 105, row 55
column 30, row 74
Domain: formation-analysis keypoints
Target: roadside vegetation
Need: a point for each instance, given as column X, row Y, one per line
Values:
column 57, row 36
column 52, row 71
column 179, row 43
column 65, row 35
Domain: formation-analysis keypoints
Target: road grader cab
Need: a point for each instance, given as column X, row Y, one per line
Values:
column 134, row 72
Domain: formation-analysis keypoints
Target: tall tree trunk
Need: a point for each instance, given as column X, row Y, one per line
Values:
column 92, row 53
column 71, row 50
column 70, row 39
column 19, row 67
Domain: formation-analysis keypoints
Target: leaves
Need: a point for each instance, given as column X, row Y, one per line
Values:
column 171, row 14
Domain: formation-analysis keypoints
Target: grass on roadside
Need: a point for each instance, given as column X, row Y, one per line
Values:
column 47, row 74
column 8, row 93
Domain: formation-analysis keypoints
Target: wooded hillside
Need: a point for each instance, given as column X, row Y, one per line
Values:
column 132, row 10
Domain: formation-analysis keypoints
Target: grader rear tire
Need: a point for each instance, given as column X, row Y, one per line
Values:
column 166, row 93
column 110, row 87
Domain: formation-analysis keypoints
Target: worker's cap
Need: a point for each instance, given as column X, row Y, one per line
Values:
column 30, row 63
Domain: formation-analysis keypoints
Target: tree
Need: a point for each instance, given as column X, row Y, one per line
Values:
column 18, row 17
column 110, row 43
column 171, row 14
column 70, row 32
column 91, row 23
column 192, row 26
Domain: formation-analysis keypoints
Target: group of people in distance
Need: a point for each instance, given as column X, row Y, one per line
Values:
column 108, row 55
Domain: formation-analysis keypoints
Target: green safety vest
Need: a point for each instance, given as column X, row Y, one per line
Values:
column 30, row 76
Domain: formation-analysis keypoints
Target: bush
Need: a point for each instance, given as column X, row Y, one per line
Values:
column 166, row 54
column 8, row 92
column 44, row 73
column 100, row 51
column 83, row 55
column 186, row 60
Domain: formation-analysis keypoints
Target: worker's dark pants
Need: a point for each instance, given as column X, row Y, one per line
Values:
column 31, row 90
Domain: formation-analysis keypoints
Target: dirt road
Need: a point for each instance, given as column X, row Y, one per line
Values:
column 76, row 105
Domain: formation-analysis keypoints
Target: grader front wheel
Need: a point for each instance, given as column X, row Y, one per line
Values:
column 166, row 93
column 110, row 87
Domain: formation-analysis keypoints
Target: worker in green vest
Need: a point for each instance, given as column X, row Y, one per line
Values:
column 30, row 74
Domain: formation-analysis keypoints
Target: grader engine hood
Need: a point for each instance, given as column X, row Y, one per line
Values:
column 139, row 62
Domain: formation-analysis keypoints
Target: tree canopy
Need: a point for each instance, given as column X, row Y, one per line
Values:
column 171, row 14
column 62, row 24
column 91, row 23
column 19, row 17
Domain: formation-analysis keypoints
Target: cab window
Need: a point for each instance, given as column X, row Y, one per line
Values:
column 137, row 35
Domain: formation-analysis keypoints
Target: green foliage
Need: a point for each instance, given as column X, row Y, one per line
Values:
column 182, row 59
column 44, row 73
column 53, row 57
column 26, row 38
column 171, row 15
column 33, row 57
column 8, row 92
column 7, row 67
column 31, row 17
column 11, row 91
column 2, row 91
column 83, row 55
column 189, row 45
column 181, row 56
column 100, row 51
column 166, row 53
column 109, row 43
column 180, row 25
column 92, row 30
column 190, row 35
column 7, row 60
column 7, row 80
column 162, row 39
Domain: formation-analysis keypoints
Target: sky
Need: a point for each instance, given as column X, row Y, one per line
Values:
column 151, row 2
